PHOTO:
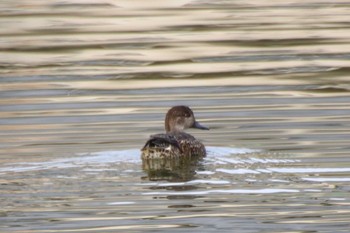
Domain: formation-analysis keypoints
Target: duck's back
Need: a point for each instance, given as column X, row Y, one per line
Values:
column 172, row 145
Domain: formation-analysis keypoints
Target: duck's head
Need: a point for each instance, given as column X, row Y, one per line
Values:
column 180, row 118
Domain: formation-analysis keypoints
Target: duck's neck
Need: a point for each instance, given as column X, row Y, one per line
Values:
column 175, row 129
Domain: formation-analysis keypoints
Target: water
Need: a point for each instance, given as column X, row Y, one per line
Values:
column 84, row 83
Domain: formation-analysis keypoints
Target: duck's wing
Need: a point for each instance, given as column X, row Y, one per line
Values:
column 162, row 141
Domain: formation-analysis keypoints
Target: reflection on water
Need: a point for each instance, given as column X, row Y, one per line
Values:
column 84, row 83
column 171, row 169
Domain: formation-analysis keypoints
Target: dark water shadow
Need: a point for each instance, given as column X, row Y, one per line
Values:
column 180, row 169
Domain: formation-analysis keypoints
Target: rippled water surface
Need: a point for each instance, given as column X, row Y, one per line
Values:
column 83, row 83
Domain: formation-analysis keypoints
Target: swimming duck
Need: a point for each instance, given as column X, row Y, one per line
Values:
column 175, row 143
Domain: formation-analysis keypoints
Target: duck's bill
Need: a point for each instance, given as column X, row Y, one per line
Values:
column 199, row 126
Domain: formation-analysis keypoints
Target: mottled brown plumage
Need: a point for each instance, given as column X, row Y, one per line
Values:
column 175, row 143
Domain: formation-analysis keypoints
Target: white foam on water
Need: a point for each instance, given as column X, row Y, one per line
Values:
column 213, row 151
column 289, row 170
column 216, row 155
column 192, row 182
column 229, row 191
column 220, row 155
column 337, row 199
column 279, row 181
column 307, row 170
column 205, row 172
column 237, row 171
column 122, row 203
column 103, row 158
column 208, row 182
column 96, row 159
column 327, row 179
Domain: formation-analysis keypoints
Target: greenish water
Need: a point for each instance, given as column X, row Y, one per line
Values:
column 83, row 84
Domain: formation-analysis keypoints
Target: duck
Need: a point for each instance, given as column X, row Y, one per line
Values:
column 175, row 143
